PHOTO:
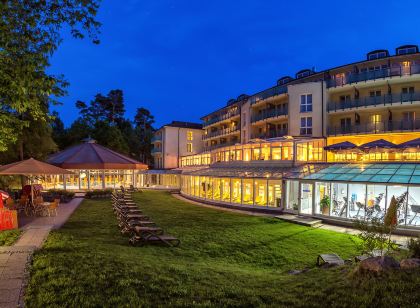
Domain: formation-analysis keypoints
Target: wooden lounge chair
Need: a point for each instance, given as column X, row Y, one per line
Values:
column 142, row 237
column 329, row 260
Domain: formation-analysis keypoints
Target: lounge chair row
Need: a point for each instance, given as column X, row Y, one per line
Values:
column 138, row 226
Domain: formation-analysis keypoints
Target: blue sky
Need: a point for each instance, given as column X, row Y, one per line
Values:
column 183, row 59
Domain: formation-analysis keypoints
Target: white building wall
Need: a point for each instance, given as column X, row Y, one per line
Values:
column 175, row 144
column 318, row 114
column 246, row 122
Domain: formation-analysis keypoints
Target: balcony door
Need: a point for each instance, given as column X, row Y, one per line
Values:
column 406, row 68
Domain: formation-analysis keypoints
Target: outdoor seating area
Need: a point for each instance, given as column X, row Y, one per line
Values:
column 139, row 227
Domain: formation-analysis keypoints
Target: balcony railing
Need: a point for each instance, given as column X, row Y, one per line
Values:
column 384, row 100
column 221, row 132
column 376, row 128
column 350, row 78
column 222, row 117
column 274, row 91
column 269, row 113
column 156, row 138
column 220, row 145
column 270, row 134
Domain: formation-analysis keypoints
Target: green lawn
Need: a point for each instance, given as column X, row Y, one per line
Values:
column 8, row 237
column 225, row 259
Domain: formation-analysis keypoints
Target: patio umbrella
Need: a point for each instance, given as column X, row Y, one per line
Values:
column 340, row 146
column 31, row 168
column 381, row 143
column 415, row 143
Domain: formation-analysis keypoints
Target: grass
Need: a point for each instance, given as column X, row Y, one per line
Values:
column 9, row 237
column 225, row 259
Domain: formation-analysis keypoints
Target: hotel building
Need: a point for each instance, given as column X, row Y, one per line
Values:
column 347, row 135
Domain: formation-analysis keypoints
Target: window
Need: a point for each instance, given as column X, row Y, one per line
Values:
column 345, row 98
column 306, row 103
column 189, row 136
column 189, row 147
column 409, row 116
column 406, row 50
column 378, row 55
column 345, row 124
column 408, row 90
column 375, row 93
column 375, row 118
column 306, row 126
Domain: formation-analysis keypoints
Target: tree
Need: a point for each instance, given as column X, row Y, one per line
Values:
column 144, row 132
column 30, row 32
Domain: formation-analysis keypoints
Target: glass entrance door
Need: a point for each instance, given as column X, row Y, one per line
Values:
column 306, row 199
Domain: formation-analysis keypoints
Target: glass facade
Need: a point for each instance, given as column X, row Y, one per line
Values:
column 246, row 191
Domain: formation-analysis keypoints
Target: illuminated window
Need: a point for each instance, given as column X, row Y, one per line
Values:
column 375, row 118
column 189, row 147
column 189, row 136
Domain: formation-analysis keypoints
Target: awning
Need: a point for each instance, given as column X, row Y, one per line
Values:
column 415, row 143
column 370, row 173
column 381, row 143
column 340, row 146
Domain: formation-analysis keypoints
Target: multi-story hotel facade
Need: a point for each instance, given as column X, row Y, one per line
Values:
column 336, row 144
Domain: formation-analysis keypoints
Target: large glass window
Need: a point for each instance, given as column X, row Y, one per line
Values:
column 413, row 211
column 248, row 191
column 375, row 207
column 256, row 153
column 357, row 202
column 339, row 200
column 202, row 187
column 216, row 189
column 226, row 189
column 322, row 198
column 260, row 192
column 236, row 190
column 265, row 152
column 306, row 198
column 197, row 186
column 292, row 195
column 274, row 193
column 209, row 188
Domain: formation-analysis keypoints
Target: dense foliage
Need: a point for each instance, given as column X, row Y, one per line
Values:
column 30, row 32
column 103, row 120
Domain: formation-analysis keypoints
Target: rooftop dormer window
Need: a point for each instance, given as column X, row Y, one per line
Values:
column 378, row 54
column 284, row 80
column 404, row 50
column 303, row 73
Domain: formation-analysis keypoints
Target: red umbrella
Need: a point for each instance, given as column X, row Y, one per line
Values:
column 4, row 195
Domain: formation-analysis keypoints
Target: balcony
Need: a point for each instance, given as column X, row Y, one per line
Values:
column 269, row 113
column 274, row 91
column 384, row 100
column 156, row 138
column 221, row 132
column 350, row 78
column 222, row 117
column 220, row 145
column 270, row 134
column 376, row 128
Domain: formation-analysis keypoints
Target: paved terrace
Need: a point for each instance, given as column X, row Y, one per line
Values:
column 14, row 260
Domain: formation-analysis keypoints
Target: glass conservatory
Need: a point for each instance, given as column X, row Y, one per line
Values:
column 357, row 191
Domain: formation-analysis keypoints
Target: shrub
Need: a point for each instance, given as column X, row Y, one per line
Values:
column 98, row 193
column 63, row 195
column 414, row 247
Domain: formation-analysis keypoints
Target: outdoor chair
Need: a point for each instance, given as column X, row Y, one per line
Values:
column 52, row 207
column 143, row 237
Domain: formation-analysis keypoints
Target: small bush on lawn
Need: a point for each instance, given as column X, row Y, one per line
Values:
column 414, row 247
column 98, row 193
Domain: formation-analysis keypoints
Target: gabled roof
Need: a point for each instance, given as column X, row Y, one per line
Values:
column 90, row 155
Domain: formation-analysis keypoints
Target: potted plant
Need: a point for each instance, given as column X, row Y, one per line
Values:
column 325, row 205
